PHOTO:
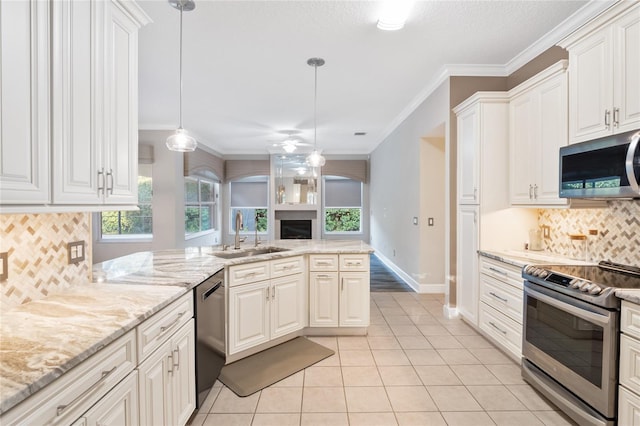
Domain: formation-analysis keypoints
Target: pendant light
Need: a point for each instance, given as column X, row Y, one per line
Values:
column 315, row 159
column 181, row 141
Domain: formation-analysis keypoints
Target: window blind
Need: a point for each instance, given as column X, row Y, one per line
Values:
column 342, row 193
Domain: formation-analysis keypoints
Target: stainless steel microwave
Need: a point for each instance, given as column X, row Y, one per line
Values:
column 608, row 167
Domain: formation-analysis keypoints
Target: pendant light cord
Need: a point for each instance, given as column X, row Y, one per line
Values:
column 315, row 109
column 180, row 103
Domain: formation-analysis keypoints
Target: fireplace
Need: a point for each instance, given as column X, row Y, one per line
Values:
column 295, row 229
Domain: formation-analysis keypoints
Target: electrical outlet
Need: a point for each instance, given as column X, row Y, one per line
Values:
column 593, row 232
column 4, row 266
column 546, row 231
column 75, row 251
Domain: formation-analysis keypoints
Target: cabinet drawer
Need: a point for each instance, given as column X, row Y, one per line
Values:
column 287, row 266
column 628, row 407
column 630, row 363
column 156, row 330
column 630, row 319
column 504, row 331
column 66, row 399
column 354, row 262
column 504, row 298
column 504, row 272
column 248, row 273
column 323, row 262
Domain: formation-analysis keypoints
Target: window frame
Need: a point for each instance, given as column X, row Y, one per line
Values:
column 360, row 231
column 261, row 179
column 213, row 204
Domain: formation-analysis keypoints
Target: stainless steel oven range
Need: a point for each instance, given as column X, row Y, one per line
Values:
column 570, row 336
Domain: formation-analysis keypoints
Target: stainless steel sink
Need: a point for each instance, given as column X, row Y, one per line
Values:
column 248, row 252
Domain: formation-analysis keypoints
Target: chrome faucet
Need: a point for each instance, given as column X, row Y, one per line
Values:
column 238, row 226
column 257, row 239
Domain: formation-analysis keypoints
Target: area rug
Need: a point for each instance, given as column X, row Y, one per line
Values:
column 263, row 369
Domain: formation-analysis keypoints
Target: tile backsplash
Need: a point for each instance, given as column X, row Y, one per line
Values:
column 37, row 247
column 618, row 227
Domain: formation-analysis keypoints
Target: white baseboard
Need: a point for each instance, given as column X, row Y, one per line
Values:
column 416, row 286
column 449, row 312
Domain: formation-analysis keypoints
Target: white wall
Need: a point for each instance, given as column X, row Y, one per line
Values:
column 168, row 206
column 395, row 195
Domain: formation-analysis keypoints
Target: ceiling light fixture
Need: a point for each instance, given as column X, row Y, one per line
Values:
column 394, row 14
column 181, row 141
column 315, row 159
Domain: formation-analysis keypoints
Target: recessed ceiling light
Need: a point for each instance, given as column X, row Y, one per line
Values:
column 394, row 14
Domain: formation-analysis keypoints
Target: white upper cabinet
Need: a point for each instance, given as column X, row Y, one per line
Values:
column 604, row 81
column 95, row 102
column 537, row 129
column 24, row 102
column 69, row 101
column 468, row 157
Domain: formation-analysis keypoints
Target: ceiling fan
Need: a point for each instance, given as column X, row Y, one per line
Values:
column 289, row 146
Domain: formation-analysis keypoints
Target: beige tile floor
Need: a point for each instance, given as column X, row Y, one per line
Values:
column 415, row 367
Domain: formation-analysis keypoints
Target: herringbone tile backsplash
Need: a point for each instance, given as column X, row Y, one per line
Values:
column 618, row 227
column 37, row 246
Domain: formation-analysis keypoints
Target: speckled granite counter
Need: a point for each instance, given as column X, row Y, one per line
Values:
column 630, row 295
column 522, row 258
column 42, row 340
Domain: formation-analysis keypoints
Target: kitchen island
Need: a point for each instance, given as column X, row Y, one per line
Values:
column 67, row 328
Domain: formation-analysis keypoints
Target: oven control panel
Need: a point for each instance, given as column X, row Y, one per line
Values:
column 578, row 284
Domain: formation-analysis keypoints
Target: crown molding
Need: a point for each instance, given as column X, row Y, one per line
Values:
column 579, row 18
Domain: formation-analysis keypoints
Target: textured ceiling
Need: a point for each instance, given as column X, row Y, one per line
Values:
column 247, row 83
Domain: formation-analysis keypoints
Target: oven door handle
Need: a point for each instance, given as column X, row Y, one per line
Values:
column 574, row 310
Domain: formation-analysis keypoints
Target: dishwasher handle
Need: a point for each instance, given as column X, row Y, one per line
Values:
column 212, row 290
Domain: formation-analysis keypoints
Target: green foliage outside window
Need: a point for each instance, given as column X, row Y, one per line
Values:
column 342, row 220
column 199, row 196
column 131, row 222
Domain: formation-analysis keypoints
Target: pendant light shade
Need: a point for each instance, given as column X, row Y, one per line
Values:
column 181, row 141
column 315, row 159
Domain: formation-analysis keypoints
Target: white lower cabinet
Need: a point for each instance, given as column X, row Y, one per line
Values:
column 500, row 306
column 339, row 298
column 467, row 280
column 629, row 374
column 265, row 310
column 167, row 380
column 118, row 408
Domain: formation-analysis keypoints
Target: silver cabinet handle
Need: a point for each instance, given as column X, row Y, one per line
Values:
column 497, row 328
column 166, row 328
column 498, row 297
column 498, row 271
column 535, row 191
column 323, row 263
column 101, row 181
column 530, row 191
column 176, row 357
column 322, row 276
column 273, row 293
column 63, row 408
column 616, row 117
column 110, row 181
column 607, row 115
column 342, row 284
column 475, row 193
column 248, row 274
column 170, row 358
column 268, row 292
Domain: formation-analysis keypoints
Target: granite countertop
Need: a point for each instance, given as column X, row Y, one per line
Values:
column 190, row 266
column 630, row 295
column 42, row 340
column 520, row 258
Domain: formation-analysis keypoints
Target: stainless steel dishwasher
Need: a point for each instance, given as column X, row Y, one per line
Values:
column 210, row 332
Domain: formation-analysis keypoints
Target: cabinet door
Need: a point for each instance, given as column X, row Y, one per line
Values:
column 523, row 135
column 121, row 127
column 155, row 387
column 553, row 134
column 119, row 407
column 248, row 315
column 24, row 102
column 184, row 374
column 324, row 299
column 626, row 84
column 628, row 408
column 468, row 157
column 590, row 87
column 78, row 98
column 287, row 305
column 467, row 269
column 354, row 299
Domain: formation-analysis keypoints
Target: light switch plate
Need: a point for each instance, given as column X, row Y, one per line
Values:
column 430, row 221
column 4, row 266
column 75, row 251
